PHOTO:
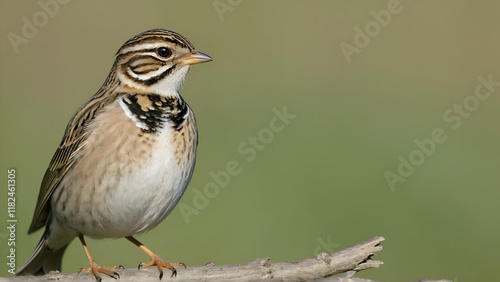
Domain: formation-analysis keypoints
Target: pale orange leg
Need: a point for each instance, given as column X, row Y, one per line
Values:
column 155, row 260
column 94, row 267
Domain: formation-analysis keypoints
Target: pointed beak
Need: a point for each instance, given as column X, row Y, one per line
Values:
column 196, row 57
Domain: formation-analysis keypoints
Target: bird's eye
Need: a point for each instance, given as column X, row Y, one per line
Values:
column 164, row 52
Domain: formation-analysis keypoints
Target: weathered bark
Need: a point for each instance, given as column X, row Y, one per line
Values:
column 349, row 261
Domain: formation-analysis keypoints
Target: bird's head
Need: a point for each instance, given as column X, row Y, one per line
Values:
column 157, row 61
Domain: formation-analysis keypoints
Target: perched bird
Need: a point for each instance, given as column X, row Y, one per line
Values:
column 126, row 157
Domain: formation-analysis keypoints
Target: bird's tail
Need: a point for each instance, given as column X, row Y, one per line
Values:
column 48, row 253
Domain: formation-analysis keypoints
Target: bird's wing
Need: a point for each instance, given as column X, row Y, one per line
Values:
column 65, row 157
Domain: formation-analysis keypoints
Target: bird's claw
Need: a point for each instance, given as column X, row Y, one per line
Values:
column 96, row 269
column 155, row 260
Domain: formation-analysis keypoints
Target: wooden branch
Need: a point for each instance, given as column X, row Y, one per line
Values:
column 350, row 260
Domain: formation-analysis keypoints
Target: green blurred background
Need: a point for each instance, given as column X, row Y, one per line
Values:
column 317, row 185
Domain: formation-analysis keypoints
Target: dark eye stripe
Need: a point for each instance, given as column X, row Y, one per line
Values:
column 161, row 76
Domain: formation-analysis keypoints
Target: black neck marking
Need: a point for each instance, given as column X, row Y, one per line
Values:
column 152, row 112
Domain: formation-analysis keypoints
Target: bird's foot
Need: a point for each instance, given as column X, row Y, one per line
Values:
column 156, row 260
column 96, row 269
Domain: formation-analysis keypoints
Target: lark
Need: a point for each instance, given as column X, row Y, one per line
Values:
column 126, row 157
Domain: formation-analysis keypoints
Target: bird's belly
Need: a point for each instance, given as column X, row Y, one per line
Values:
column 140, row 201
column 128, row 188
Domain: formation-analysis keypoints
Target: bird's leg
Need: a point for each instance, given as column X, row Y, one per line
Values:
column 155, row 260
column 94, row 267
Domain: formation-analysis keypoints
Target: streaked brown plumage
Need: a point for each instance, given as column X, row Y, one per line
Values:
column 126, row 157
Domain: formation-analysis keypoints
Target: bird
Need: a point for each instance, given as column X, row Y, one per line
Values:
column 126, row 157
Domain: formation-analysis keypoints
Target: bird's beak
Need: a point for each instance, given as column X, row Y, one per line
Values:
column 196, row 57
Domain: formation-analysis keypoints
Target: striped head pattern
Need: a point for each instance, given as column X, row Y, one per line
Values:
column 156, row 60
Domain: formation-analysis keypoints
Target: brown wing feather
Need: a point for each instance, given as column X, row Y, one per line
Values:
column 65, row 157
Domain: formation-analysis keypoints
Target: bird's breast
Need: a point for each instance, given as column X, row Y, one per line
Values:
column 127, row 179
